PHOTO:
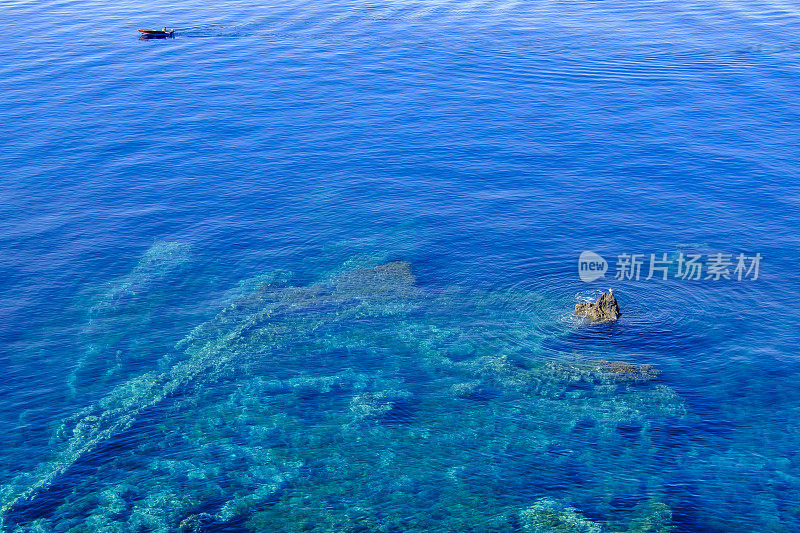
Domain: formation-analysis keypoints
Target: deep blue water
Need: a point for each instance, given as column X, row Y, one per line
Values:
column 268, row 158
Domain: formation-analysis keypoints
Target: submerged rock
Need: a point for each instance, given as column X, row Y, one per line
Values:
column 390, row 278
column 549, row 516
column 651, row 516
column 196, row 523
column 605, row 309
column 161, row 261
column 624, row 371
column 379, row 405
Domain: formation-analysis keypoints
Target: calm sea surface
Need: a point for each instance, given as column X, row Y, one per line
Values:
column 310, row 266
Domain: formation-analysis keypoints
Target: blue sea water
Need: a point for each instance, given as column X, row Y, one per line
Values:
column 311, row 266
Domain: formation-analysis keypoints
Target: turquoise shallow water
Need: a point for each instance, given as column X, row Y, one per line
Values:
column 311, row 266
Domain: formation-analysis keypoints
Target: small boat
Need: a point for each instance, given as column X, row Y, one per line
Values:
column 162, row 33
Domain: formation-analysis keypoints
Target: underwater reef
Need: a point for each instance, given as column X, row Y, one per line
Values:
column 358, row 402
column 124, row 314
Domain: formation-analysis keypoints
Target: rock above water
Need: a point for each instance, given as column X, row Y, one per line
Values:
column 605, row 309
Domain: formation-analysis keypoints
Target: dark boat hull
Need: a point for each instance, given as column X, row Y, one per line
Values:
column 155, row 34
